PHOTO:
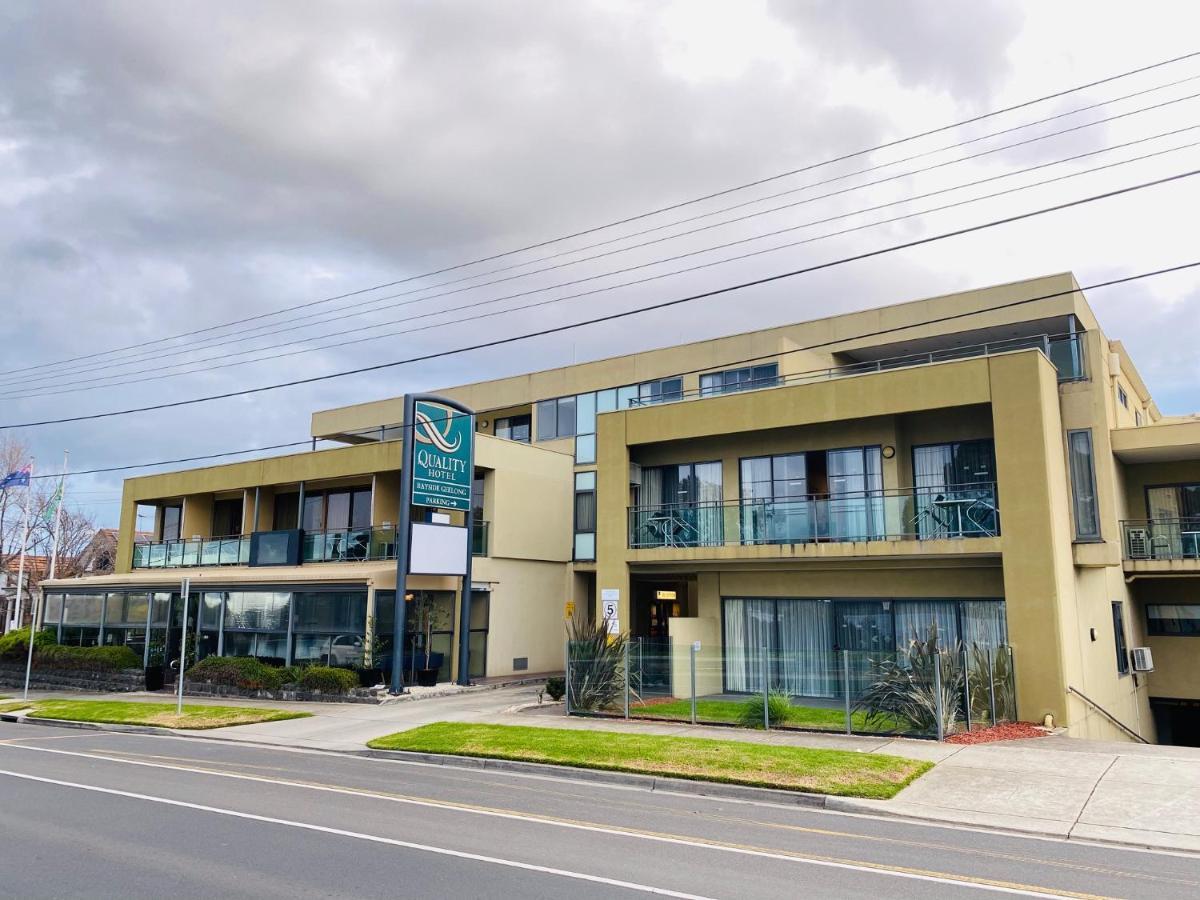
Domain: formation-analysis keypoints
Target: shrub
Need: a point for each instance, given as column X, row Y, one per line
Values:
column 237, row 671
column 597, row 665
column 906, row 689
column 556, row 687
column 15, row 644
column 779, row 709
column 328, row 680
column 289, row 674
column 85, row 659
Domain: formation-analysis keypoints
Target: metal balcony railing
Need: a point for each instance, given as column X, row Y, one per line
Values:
column 1161, row 538
column 332, row 545
column 962, row 511
column 1067, row 352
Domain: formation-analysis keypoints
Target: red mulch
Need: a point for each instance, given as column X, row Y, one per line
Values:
column 1009, row 731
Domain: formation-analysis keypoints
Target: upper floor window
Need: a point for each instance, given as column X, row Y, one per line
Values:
column 955, row 489
column 739, row 379
column 663, row 390
column 585, row 515
column 325, row 510
column 1119, row 637
column 227, row 517
column 1173, row 618
column 514, row 428
column 556, row 418
column 1083, row 485
column 172, row 522
column 1122, row 397
column 1137, row 417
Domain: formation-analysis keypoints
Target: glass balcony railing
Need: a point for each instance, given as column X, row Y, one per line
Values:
column 1161, row 538
column 333, row 545
column 962, row 511
column 1067, row 352
column 231, row 551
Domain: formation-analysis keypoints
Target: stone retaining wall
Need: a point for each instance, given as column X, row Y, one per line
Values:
column 13, row 675
column 204, row 689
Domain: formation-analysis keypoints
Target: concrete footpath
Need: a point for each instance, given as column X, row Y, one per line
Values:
column 1057, row 786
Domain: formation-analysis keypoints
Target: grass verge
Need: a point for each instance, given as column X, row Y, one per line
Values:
column 732, row 762
column 118, row 712
column 7, row 706
column 728, row 712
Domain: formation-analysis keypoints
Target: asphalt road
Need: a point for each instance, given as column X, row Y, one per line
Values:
column 94, row 814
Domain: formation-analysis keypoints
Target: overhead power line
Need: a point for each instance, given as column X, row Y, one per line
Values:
column 880, row 332
column 377, row 304
column 643, row 215
column 193, row 366
column 616, row 315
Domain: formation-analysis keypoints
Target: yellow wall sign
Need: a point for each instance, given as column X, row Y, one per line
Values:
column 569, row 609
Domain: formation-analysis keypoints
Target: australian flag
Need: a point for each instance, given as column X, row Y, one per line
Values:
column 17, row 478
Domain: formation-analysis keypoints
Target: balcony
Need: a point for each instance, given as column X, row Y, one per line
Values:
column 906, row 514
column 231, row 551
column 335, row 545
column 1161, row 539
column 1066, row 353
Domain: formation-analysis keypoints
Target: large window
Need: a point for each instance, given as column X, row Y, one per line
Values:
column 679, row 506
column 556, row 419
column 821, row 495
column 585, row 515
column 663, row 390
column 745, row 379
column 227, row 517
column 1175, row 510
column 1122, row 648
column 801, row 638
column 325, row 510
column 1083, row 485
column 1173, row 619
column 955, row 489
column 514, row 428
column 329, row 627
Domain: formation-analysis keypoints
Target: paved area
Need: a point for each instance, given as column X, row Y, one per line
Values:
column 1133, row 793
column 1058, row 786
column 99, row 814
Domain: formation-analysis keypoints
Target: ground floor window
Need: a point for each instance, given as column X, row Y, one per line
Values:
column 794, row 642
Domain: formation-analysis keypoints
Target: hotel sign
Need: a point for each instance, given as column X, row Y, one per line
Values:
column 442, row 465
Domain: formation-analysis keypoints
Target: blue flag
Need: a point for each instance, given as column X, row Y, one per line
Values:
column 17, row 478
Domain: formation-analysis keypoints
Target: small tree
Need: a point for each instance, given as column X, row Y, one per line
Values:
column 430, row 617
column 597, row 661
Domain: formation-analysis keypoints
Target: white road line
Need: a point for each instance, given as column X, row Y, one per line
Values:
column 358, row 835
column 530, row 818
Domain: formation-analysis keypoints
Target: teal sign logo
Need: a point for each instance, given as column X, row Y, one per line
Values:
column 442, row 466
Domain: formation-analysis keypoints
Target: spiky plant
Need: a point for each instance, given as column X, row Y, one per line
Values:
column 904, row 688
column 597, row 659
column 779, row 708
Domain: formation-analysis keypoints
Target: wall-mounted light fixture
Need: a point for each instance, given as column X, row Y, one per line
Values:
column 888, row 452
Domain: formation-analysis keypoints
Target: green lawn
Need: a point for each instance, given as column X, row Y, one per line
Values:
column 729, row 712
column 733, row 762
column 117, row 712
column 7, row 706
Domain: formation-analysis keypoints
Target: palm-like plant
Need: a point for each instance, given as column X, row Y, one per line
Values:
column 597, row 665
column 905, row 687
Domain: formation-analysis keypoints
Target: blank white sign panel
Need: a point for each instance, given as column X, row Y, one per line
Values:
column 438, row 550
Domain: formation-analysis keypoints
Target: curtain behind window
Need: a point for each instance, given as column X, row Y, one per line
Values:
column 805, row 659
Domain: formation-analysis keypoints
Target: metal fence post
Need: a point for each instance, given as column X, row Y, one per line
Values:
column 966, row 687
column 766, row 691
column 693, row 683
column 846, row 686
column 937, row 695
column 567, row 677
column 627, row 678
column 991, row 687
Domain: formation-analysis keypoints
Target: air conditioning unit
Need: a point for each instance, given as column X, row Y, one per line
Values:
column 1143, row 659
column 635, row 474
column 1137, row 542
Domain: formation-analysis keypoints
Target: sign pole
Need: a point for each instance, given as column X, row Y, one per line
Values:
column 464, row 603
column 19, row 600
column 185, row 588
column 403, row 529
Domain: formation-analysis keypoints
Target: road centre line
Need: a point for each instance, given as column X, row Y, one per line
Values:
column 677, row 840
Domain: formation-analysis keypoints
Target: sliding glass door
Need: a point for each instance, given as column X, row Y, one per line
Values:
column 787, row 641
column 680, row 506
column 955, row 489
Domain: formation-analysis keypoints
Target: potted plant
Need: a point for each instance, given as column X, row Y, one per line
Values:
column 154, row 667
column 430, row 617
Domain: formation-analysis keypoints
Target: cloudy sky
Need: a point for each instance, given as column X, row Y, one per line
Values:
column 170, row 167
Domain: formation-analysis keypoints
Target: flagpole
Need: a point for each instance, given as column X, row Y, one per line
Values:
column 58, row 510
column 24, row 541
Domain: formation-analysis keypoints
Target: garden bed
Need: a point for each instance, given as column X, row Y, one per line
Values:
column 1006, row 731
